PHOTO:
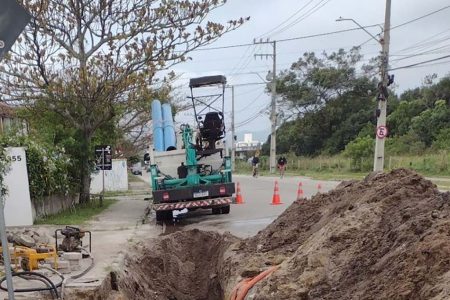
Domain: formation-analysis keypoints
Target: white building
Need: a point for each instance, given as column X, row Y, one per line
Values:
column 247, row 147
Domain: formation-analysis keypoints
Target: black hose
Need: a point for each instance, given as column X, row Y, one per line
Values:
column 87, row 269
column 52, row 287
column 31, row 277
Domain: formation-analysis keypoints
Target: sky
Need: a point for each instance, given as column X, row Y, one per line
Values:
column 425, row 39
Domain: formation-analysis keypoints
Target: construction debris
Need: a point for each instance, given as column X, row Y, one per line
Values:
column 27, row 238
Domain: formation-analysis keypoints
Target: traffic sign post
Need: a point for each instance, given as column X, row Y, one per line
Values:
column 13, row 19
column 103, row 159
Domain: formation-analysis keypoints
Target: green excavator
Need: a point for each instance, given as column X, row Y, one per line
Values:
column 198, row 174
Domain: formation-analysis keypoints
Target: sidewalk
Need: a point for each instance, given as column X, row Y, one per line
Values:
column 112, row 232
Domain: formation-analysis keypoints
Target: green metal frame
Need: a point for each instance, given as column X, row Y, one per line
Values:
column 192, row 178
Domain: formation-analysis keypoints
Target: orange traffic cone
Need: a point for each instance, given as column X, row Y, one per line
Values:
column 299, row 191
column 319, row 187
column 239, row 199
column 276, row 195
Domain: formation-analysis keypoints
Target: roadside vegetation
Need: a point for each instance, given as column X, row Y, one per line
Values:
column 78, row 215
column 328, row 118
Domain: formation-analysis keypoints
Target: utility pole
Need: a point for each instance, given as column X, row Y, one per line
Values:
column 273, row 111
column 382, row 96
column 233, row 133
column 378, row 163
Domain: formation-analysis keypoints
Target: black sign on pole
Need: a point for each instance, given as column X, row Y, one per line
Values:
column 103, row 157
column 13, row 19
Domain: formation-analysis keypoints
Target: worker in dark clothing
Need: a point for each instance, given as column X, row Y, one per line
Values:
column 282, row 162
column 182, row 171
column 255, row 164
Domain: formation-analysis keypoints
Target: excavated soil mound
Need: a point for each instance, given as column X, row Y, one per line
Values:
column 183, row 265
column 385, row 237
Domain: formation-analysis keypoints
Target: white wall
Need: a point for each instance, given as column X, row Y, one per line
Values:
column 18, row 210
column 115, row 179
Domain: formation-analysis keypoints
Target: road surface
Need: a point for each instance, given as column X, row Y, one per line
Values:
column 257, row 212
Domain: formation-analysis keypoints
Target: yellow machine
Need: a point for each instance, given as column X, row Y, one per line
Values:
column 29, row 258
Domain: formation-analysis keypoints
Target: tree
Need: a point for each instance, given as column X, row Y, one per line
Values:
column 94, row 61
column 312, row 82
column 428, row 123
column 400, row 119
column 325, row 101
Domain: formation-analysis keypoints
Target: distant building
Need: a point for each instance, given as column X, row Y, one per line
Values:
column 247, row 147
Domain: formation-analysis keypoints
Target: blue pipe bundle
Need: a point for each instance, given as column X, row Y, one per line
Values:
column 158, row 132
column 170, row 141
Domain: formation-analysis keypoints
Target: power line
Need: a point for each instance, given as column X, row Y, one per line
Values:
column 411, row 21
column 289, row 39
column 285, row 21
column 428, row 52
column 250, row 103
column 248, row 92
column 243, row 59
column 421, row 17
column 420, row 63
column 324, row 34
column 424, row 41
column 303, row 17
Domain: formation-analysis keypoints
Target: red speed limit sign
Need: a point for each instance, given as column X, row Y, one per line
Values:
column 382, row 132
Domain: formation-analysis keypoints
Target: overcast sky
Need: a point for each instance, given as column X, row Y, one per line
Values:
column 285, row 19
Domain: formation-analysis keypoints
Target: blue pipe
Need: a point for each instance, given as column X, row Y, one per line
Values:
column 158, row 132
column 170, row 141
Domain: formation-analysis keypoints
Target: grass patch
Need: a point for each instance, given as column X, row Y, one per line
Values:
column 118, row 193
column 314, row 175
column 79, row 215
column 333, row 176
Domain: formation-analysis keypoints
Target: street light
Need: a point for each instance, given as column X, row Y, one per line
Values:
column 360, row 26
column 386, row 80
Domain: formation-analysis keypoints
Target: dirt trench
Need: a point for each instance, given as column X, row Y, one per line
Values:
column 181, row 266
column 384, row 237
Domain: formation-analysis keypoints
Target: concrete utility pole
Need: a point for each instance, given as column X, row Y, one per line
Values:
column 381, row 131
column 378, row 163
column 233, row 133
column 273, row 111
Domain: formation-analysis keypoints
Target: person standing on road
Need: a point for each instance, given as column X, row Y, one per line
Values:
column 282, row 162
column 255, row 164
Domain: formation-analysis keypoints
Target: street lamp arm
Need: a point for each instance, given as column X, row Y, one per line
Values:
column 360, row 26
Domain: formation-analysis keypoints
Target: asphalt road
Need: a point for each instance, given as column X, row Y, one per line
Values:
column 257, row 212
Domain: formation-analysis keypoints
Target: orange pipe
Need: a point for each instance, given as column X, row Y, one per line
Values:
column 241, row 289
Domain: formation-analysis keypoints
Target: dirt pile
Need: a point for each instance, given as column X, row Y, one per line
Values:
column 385, row 237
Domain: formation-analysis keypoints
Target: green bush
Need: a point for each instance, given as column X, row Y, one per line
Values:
column 409, row 143
column 360, row 151
column 47, row 166
column 442, row 141
column 3, row 170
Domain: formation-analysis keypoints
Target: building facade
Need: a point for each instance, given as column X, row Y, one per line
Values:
column 247, row 147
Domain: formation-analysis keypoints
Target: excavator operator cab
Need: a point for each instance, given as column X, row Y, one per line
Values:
column 209, row 112
column 213, row 127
